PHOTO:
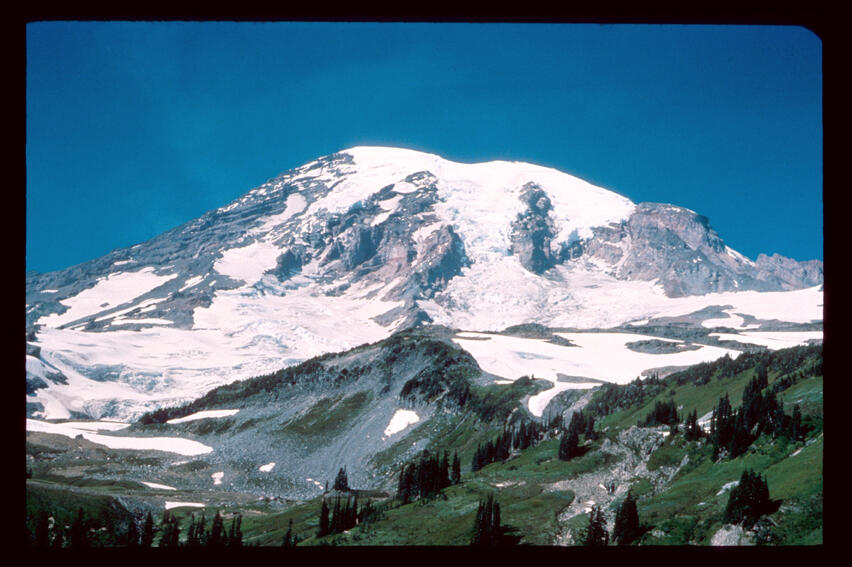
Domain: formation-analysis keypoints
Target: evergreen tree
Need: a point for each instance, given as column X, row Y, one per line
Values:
column 170, row 536
column 692, row 431
column 288, row 537
column 626, row 527
column 235, row 537
column 42, row 532
column 147, row 531
column 487, row 529
column 455, row 473
column 596, row 534
column 748, row 501
column 795, row 427
column 79, row 532
column 740, row 438
column 58, row 538
column 193, row 536
column 324, row 527
column 217, row 528
column 132, row 534
column 341, row 482
column 444, row 474
column 569, row 445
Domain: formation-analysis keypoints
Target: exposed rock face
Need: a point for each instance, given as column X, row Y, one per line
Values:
column 680, row 249
column 533, row 231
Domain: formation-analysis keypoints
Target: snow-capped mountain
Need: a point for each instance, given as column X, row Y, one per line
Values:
column 356, row 245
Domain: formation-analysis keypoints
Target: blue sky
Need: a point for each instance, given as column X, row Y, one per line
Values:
column 134, row 128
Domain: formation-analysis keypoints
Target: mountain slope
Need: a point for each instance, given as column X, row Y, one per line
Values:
column 355, row 245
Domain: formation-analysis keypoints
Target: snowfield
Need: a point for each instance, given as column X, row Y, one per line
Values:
column 114, row 290
column 773, row 340
column 167, row 444
column 400, row 420
column 157, row 486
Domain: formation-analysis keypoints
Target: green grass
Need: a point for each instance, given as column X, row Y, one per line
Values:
column 328, row 417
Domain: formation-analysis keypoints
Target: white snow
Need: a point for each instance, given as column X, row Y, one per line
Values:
column 267, row 467
column 167, row 444
column 158, row 486
column 294, row 205
column 109, row 292
column 247, row 263
column 400, row 420
column 601, row 356
column 50, row 291
column 217, row 477
column 204, row 415
column 152, row 321
column 773, row 340
column 170, row 505
column 191, row 282
column 727, row 487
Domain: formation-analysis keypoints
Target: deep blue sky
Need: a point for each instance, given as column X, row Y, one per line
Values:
column 134, row 128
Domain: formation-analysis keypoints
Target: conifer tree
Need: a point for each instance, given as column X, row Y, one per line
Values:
column 569, row 445
column 341, row 482
column 444, row 474
column 288, row 537
column 324, row 527
column 79, row 531
column 132, row 534
column 455, row 473
column 626, row 527
column 147, row 531
column 235, row 536
column 795, row 428
column 596, row 534
column 42, row 532
column 58, row 538
column 193, row 536
column 748, row 501
column 217, row 528
column 487, row 529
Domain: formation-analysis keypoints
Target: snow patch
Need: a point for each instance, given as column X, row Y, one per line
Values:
column 170, row 505
column 217, row 477
column 158, row 486
column 109, row 292
column 400, row 420
column 204, row 415
column 247, row 263
column 267, row 467
column 167, row 444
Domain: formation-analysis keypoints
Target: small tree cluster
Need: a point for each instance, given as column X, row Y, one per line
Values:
column 692, row 430
column 345, row 515
column 664, row 413
column 759, row 414
column 596, row 533
column 492, row 451
column 569, row 443
column 748, row 501
column 428, row 475
column 487, row 528
column 170, row 535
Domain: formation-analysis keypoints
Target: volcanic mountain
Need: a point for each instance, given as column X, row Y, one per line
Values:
column 354, row 246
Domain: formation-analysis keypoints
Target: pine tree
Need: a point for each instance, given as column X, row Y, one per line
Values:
column 487, row 529
column 323, row 520
column 148, row 531
column 626, row 527
column 748, row 501
column 341, row 482
column 235, row 537
column 42, row 532
column 795, row 428
column 216, row 538
column 58, row 538
column 569, row 445
column 132, row 534
column 596, row 534
column 170, row 537
column 455, row 473
column 193, row 535
column 288, row 537
column 444, row 475
column 79, row 531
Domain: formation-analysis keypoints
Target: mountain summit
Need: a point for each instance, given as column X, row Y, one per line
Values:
column 353, row 246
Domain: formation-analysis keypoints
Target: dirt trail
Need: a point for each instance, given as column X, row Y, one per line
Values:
column 630, row 455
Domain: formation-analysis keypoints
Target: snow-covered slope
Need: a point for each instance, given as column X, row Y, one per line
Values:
column 353, row 246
